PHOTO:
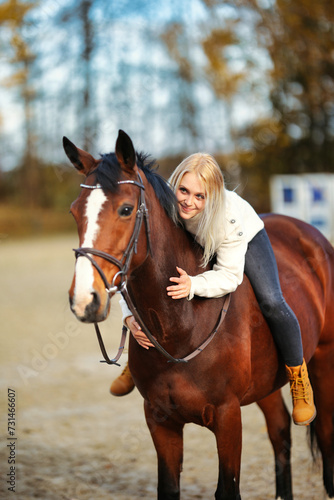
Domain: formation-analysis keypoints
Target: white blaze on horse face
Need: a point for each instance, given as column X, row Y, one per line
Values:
column 84, row 272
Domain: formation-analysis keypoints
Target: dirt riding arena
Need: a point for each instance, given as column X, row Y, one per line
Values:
column 71, row 439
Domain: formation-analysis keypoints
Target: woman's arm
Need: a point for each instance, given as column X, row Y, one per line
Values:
column 131, row 323
column 137, row 332
column 226, row 275
column 182, row 289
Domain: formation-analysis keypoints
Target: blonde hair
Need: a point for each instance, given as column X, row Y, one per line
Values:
column 211, row 219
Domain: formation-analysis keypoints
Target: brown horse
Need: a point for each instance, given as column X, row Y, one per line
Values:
column 240, row 365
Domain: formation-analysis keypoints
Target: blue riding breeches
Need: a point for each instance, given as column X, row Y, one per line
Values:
column 261, row 270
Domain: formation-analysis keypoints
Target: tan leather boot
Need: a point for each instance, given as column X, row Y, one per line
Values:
column 123, row 384
column 304, row 410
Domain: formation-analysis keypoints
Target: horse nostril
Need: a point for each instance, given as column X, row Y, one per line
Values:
column 96, row 300
column 92, row 308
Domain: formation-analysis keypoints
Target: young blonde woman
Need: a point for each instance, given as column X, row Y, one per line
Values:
column 227, row 227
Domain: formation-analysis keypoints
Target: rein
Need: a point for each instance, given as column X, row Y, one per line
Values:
column 123, row 265
column 159, row 347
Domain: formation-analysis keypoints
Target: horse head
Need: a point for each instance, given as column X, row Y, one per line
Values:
column 106, row 213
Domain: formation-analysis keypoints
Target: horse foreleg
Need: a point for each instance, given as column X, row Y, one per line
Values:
column 278, row 424
column 228, row 432
column 168, row 441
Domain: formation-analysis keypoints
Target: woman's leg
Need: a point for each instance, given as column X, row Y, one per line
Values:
column 261, row 270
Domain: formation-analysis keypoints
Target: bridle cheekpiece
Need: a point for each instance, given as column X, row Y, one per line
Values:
column 124, row 263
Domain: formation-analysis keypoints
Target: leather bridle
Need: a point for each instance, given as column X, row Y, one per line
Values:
column 123, row 264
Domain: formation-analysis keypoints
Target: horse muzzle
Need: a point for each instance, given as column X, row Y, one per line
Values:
column 90, row 308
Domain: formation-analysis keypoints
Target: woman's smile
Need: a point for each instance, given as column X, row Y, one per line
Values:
column 190, row 196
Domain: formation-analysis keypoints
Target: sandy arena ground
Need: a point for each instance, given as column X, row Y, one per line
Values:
column 73, row 440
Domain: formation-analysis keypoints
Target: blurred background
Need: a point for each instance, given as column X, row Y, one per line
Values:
column 250, row 81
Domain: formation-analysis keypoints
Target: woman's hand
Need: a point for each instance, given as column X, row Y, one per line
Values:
column 138, row 334
column 182, row 289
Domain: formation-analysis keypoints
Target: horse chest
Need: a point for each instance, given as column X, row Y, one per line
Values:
column 175, row 397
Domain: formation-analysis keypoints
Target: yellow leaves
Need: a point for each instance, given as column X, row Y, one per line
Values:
column 173, row 39
column 22, row 56
column 225, row 84
column 215, row 44
column 224, row 79
column 13, row 12
column 12, row 15
column 21, row 49
column 16, row 79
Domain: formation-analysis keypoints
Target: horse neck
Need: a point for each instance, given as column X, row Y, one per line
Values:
column 171, row 247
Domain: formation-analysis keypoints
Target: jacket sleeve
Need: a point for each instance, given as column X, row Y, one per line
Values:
column 227, row 272
column 125, row 310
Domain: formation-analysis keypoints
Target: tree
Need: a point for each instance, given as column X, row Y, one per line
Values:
column 79, row 17
column 297, row 134
column 215, row 59
column 177, row 43
column 13, row 15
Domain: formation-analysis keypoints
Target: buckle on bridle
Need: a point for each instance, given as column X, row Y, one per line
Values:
column 117, row 288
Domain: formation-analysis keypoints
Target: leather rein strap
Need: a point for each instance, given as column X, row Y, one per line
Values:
column 159, row 347
column 123, row 265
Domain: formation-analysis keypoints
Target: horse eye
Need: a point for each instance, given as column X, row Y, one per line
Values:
column 125, row 211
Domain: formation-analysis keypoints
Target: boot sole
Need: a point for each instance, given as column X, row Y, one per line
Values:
column 122, row 393
column 307, row 422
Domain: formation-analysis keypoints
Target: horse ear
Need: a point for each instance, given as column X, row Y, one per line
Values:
column 125, row 152
column 83, row 161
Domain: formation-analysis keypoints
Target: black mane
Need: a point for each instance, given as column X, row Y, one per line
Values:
column 109, row 172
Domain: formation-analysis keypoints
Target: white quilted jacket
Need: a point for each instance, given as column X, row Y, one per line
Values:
column 242, row 224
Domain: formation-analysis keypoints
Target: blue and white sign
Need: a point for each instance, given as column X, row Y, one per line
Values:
column 309, row 197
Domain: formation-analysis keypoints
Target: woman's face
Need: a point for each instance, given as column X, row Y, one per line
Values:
column 190, row 196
